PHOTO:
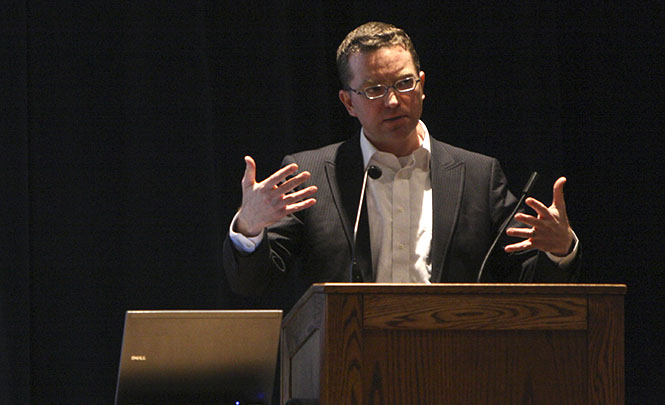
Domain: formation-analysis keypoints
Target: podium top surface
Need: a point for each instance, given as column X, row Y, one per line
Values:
column 467, row 288
column 449, row 289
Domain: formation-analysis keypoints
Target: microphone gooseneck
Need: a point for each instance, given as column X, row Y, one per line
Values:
column 374, row 172
column 525, row 191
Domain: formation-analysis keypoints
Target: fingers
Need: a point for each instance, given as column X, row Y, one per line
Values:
column 292, row 183
column 250, row 172
column 520, row 232
column 280, row 175
column 299, row 206
column 558, row 200
column 537, row 206
column 557, row 191
column 519, row 246
column 293, row 198
column 268, row 201
column 558, row 205
column 276, row 180
column 543, row 239
column 549, row 230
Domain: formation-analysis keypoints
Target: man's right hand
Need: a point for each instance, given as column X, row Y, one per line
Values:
column 267, row 202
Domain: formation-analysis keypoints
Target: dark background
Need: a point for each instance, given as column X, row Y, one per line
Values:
column 124, row 125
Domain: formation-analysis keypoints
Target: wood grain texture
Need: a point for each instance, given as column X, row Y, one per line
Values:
column 489, row 312
column 459, row 344
column 606, row 350
column 474, row 367
column 342, row 351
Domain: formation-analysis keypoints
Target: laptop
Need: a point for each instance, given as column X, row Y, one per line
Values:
column 198, row 357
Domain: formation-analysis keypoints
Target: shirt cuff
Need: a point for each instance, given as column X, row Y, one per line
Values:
column 564, row 261
column 241, row 242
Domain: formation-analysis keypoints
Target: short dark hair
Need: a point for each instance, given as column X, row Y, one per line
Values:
column 369, row 37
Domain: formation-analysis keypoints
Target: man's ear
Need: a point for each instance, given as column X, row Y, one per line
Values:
column 345, row 98
column 422, row 83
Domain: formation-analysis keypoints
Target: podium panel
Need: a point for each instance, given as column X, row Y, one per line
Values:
column 455, row 344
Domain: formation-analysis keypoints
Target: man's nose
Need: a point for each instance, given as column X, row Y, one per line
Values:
column 391, row 98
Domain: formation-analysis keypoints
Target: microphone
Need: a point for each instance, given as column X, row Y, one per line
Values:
column 525, row 191
column 373, row 172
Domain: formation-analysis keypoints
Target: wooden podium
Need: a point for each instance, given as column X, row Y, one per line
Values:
column 455, row 344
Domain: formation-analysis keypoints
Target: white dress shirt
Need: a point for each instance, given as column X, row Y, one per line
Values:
column 399, row 206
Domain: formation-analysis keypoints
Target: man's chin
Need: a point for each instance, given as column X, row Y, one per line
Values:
column 402, row 126
column 401, row 120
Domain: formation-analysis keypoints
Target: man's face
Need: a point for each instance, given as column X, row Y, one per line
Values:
column 389, row 122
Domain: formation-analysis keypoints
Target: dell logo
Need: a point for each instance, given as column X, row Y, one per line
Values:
column 137, row 358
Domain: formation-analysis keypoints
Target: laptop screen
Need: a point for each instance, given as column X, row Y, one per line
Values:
column 198, row 357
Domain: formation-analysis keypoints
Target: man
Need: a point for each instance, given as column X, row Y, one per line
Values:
column 429, row 217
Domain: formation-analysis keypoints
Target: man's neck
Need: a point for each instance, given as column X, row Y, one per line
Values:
column 404, row 146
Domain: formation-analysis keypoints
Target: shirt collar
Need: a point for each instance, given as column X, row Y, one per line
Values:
column 368, row 150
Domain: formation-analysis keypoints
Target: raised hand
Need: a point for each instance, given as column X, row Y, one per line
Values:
column 549, row 230
column 267, row 202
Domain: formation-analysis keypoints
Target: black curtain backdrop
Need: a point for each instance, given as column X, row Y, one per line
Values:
column 124, row 126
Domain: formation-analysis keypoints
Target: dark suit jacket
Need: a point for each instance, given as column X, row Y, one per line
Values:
column 470, row 201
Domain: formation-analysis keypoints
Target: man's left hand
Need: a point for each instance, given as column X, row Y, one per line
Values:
column 549, row 231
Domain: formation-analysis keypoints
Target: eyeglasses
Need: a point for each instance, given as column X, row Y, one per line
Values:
column 377, row 91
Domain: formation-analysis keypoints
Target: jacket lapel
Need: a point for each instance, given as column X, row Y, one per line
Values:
column 447, row 185
column 345, row 175
column 345, row 181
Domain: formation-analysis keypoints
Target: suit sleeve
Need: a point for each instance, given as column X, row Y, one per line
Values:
column 251, row 274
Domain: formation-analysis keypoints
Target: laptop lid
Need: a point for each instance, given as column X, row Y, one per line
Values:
column 198, row 357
